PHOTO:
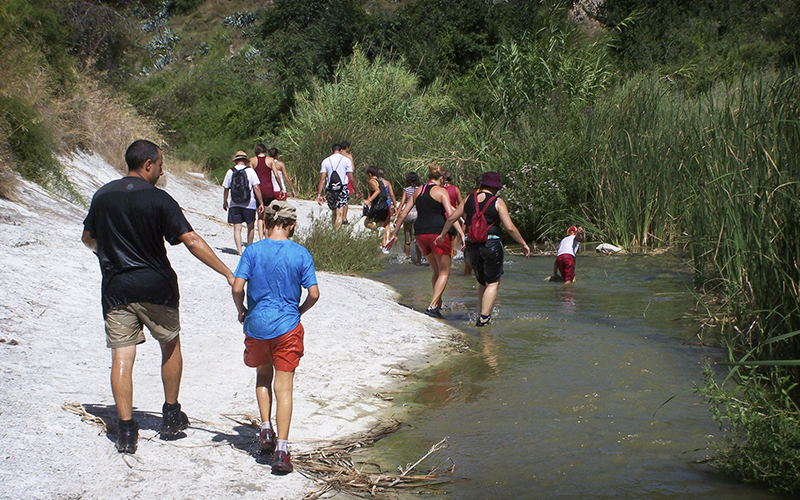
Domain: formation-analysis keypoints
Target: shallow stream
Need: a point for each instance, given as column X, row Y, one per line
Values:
column 573, row 391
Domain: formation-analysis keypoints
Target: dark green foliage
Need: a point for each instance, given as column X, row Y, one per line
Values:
column 763, row 425
column 304, row 39
column 33, row 147
column 697, row 42
column 213, row 108
column 99, row 36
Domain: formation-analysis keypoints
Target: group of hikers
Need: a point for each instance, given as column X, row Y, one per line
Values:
column 129, row 220
column 252, row 184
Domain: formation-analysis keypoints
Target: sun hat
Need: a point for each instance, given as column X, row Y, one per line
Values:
column 572, row 230
column 282, row 208
column 491, row 180
column 239, row 156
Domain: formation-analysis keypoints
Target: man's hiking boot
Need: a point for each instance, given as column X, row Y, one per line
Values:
column 434, row 312
column 281, row 463
column 127, row 437
column 267, row 442
column 173, row 423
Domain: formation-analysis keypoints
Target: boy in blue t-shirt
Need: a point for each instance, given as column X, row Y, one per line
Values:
column 276, row 270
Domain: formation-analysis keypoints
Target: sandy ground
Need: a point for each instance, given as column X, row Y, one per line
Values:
column 52, row 352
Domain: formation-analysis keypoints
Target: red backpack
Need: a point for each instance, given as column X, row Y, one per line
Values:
column 478, row 230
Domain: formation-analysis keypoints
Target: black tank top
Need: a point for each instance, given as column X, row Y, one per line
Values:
column 491, row 215
column 430, row 213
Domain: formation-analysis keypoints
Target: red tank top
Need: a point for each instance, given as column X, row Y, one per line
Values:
column 264, row 178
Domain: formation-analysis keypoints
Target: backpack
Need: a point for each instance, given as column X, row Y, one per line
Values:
column 382, row 201
column 240, row 186
column 478, row 230
column 335, row 181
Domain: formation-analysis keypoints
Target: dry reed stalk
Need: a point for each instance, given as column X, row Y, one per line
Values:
column 332, row 465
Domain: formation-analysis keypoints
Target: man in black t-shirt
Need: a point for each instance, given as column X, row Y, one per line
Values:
column 128, row 221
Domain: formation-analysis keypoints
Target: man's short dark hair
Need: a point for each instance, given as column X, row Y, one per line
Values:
column 260, row 149
column 344, row 144
column 336, row 147
column 139, row 152
column 273, row 152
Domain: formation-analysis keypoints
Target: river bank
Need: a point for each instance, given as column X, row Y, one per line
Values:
column 52, row 352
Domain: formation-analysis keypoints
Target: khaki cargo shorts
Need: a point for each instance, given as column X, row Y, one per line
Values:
column 125, row 324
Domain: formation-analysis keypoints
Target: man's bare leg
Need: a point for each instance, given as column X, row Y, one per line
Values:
column 122, row 359
column 171, row 369
column 237, row 237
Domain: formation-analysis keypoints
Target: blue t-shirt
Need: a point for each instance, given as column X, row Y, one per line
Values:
column 276, row 272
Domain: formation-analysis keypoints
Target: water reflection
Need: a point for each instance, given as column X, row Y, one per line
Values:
column 562, row 396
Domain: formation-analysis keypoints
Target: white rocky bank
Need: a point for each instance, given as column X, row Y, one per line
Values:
column 53, row 352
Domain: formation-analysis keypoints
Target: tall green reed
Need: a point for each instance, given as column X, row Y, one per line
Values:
column 745, row 214
column 639, row 164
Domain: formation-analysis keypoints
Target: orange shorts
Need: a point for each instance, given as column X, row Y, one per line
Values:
column 282, row 352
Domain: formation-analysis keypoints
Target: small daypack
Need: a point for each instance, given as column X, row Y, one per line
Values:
column 335, row 181
column 382, row 201
column 240, row 186
column 478, row 230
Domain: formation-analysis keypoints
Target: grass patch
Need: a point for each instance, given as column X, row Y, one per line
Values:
column 346, row 251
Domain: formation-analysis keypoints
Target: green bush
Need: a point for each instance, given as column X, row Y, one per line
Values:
column 378, row 107
column 763, row 423
column 346, row 251
column 33, row 147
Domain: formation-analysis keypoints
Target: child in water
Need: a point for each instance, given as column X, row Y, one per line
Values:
column 565, row 259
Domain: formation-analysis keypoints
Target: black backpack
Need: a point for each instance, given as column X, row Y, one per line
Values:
column 240, row 186
column 335, row 183
column 382, row 202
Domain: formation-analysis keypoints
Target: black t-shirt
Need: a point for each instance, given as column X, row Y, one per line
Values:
column 130, row 219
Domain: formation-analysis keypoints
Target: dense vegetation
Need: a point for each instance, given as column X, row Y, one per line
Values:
column 653, row 123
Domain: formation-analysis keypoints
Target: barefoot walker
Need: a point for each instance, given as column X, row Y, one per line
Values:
column 126, row 226
column 275, row 270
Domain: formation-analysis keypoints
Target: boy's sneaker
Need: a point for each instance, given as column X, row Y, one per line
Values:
column 128, row 438
column 281, row 463
column 267, row 442
column 434, row 312
column 173, row 423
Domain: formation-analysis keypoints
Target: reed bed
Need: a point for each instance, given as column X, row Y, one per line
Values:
column 719, row 174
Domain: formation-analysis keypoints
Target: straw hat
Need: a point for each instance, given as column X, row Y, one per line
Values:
column 239, row 156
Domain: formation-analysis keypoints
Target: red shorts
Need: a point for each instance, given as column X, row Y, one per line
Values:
column 426, row 244
column 282, row 352
column 566, row 264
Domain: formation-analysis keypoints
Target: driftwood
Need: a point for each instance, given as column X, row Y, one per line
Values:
column 332, row 465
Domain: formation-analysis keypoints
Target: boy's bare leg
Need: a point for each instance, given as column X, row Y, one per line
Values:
column 264, row 391
column 284, row 385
